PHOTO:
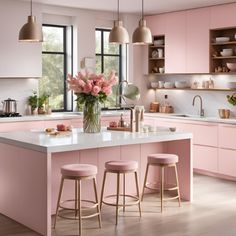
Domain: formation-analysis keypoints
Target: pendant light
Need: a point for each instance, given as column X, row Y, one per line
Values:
column 31, row 31
column 118, row 34
column 142, row 34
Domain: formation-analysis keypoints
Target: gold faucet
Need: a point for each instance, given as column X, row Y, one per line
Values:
column 201, row 109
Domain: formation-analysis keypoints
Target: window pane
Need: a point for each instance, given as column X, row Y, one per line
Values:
column 98, row 64
column 109, row 48
column 111, row 63
column 98, row 35
column 53, row 39
column 52, row 82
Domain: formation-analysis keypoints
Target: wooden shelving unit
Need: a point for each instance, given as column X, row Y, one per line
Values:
column 218, row 62
column 156, row 55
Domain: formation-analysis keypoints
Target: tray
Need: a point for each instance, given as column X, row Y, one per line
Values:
column 119, row 128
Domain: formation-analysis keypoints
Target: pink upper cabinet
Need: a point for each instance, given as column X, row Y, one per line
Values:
column 197, row 40
column 223, row 16
column 175, row 42
column 157, row 24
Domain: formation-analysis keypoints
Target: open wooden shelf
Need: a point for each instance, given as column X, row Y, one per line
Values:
column 158, row 58
column 159, row 46
column 229, row 57
column 225, row 43
column 198, row 89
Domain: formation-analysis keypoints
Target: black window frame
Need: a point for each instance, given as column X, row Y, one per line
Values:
column 65, row 66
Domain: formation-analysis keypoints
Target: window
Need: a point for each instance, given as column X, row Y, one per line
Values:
column 108, row 57
column 55, row 62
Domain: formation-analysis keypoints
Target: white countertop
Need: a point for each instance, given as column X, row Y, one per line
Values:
column 179, row 116
column 58, row 116
column 78, row 140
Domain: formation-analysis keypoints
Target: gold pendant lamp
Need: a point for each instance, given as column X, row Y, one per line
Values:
column 118, row 34
column 142, row 34
column 31, row 31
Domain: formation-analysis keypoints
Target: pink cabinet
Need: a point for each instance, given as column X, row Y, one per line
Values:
column 175, row 41
column 227, row 162
column 227, row 136
column 205, row 158
column 77, row 123
column 197, row 40
column 54, row 123
column 21, row 126
column 223, row 16
column 157, row 24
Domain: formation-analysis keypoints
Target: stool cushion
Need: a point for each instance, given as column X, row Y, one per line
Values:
column 121, row 165
column 78, row 170
column 162, row 158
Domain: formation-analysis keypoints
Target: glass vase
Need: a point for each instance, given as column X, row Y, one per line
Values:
column 92, row 117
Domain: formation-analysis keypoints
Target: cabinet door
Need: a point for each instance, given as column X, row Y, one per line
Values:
column 175, row 45
column 77, row 123
column 223, row 16
column 227, row 136
column 197, row 51
column 21, row 126
column 157, row 24
column 54, row 123
column 18, row 59
column 205, row 158
column 227, row 162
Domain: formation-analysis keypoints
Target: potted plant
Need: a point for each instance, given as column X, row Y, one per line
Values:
column 42, row 100
column 33, row 102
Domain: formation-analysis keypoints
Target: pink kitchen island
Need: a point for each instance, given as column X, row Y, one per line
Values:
column 30, row 167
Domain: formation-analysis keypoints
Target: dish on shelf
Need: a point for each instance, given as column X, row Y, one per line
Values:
column 231, row 66
column 231, row 85
column 154, row 84
column 169, row 85
column 227, row 52
column 181, row 84
column 158, row 42
column 222, row 39
column 154, row 54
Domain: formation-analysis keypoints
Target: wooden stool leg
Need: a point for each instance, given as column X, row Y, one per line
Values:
column 117, row 196
column 79, row 207
column 58, row 200
column 177, row 183
column 124, row 192
column 162, row 186
column 103, row 185
column 76, row 198
column 138, row 194
column 97, row 201
column 145, row 181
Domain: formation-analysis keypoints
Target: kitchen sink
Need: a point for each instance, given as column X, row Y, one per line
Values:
column 187, row 115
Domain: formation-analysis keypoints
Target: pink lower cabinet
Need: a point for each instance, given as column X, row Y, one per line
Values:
column 227, row 162
column 227, row 135
column 77, row 123
column 205, row 158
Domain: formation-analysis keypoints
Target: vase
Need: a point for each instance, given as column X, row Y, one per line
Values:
column 92, row 117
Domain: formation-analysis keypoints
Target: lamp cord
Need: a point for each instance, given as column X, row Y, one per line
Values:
column 118, row 8
column 31, row 6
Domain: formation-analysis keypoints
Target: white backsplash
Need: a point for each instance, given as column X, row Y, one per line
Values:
column 181, row 100
column 18, row 89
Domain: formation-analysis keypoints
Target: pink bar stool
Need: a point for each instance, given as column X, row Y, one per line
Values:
column 162, row 161
column 78, row 172
column 119, row 168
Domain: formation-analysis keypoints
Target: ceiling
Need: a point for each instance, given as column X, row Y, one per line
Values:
column 128, row 6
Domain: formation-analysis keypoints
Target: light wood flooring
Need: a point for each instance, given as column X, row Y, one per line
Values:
column 212, row 213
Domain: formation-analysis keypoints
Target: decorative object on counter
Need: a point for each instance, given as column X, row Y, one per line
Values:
column 232, row 99
column 118, row 34
column 154, row 107
column 231, row 66
column 139, row 111
column 31, row 31
column 166, row 109
column 33, row 103
column 121, row 121
column 195, row 85
column 43, row 103
column 224, row 113
column 161, row 84
column 142, row 34
column 211, row 84
column 91, row 90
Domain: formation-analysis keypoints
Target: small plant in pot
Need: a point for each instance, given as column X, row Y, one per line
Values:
column 33, row 102
column 42, row 101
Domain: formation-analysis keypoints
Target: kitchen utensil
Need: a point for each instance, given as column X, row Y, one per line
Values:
column 161, row 70
column 231, row 66
column 224, row 113
column 9, row 106
column 226, row 53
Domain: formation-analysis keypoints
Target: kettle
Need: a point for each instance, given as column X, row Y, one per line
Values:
column 9, row 106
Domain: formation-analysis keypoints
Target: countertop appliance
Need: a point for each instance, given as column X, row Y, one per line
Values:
column 9, row 106
column 4, row 115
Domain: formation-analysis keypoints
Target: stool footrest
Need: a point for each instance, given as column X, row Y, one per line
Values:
column 155, row 186
column 136, row 200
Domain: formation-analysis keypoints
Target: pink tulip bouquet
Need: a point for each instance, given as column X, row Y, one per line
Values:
column 90, row 87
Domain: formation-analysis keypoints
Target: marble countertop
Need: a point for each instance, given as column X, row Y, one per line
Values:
column 189, row 117
column 78, row 140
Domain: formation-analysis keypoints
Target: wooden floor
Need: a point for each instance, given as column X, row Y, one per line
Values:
column 212, row 213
